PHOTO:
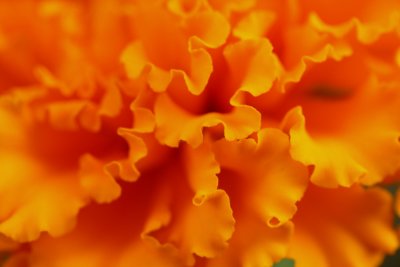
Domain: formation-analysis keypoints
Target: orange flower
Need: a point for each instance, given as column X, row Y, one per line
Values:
column 198, row 132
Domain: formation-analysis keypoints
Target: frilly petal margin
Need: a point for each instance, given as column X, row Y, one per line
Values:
column 52, row 196
column 43, row 102
column 208, row 28
column 202, row 169
column 42, row 204
column 366, row 33
column 332, row 222
column 255, row 244
column 174, row 124
column 227, row 7
column 143, row 123
column 253, row 66
column 255, row 75
column 331, row 161
column 153, row 223
column 254, row 175
column 199, row 221
column 204, row 29
column 201, row 229
column 335, row 50
column 119, row 224
column 345, row 158
column 96, row 181
column 254, row 25
column 136, row 63
column 126, row 168
column 266, row 169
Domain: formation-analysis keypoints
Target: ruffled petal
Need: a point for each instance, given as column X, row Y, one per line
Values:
column 255, row 244
column 365, row 32
column 98, row 183
column 300, row 60
column 48, row 102
column 229, row 6
column 126, row 168
column 259, row 166
column 355, row 220
column 44, row 168
column 153, row 222
column 197, row 217
column 255, row 175
column 348, row 150
column 253, row 65
column 202, row 228
column 159, row 79
column 370, row 11
column 254, row 25
column 174, row 124
column 209, row 28
column 202, row 170
column 93, row 243
column 203, row 29
column 44, row 205
column 332, row 162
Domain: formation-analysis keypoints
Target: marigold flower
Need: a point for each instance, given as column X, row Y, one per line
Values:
column 198, row 132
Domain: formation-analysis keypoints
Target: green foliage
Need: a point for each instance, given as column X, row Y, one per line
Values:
column 285, row 263
column 392, row 261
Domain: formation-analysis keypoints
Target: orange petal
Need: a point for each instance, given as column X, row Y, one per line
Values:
column 202, row 229
column 398, row 203
column 265, row 169
column 264, row 183
column 45, row 204
column 159, row 79
column 336, row 51
column 209, row 28
column 332, row 222
column 63, row 115
column 228, row 6
column 254, row 25
column 366, row 11
column 120, row 245
column 154, row 222
column 193, row 215
column 126, row 168
column 194, row 66
column 42, row 164
column 366, row 32
column 174, row 124
column 202, row 170
column 338, row 150
column 253, row 65
column 184, row 7
column 254, row 244
column 98, row 183
column 332, row 162
column 6, row 244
